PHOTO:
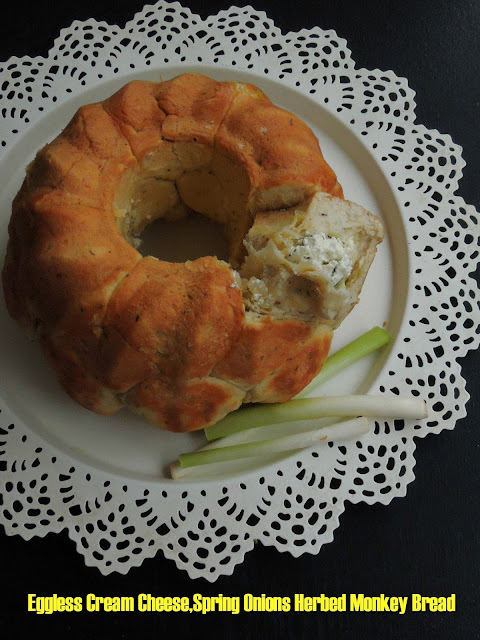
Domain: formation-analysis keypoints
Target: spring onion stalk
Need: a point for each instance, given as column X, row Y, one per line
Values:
column 291, row 443
column 347, row 355
column 267, row 432
column 242, row 437
column 311, row 408
column 229, row 468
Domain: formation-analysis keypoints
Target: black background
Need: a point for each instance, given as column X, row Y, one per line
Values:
column 427, row 542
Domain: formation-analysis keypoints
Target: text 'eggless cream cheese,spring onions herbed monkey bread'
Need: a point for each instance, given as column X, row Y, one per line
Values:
column 184, row 344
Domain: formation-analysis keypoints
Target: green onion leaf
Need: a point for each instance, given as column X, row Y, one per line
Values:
column 347, row 355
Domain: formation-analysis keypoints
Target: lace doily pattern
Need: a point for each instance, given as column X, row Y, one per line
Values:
column 293, row 505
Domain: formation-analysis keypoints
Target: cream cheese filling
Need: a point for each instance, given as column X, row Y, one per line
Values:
column 327, row 256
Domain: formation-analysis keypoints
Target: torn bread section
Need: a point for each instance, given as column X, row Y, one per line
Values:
column 309, row 261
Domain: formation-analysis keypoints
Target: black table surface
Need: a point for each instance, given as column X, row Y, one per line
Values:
column 427, row 542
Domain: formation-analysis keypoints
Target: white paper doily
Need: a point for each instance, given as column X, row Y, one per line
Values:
column 365, row 118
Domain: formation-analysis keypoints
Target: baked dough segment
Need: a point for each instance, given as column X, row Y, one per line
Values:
column 186, row 405
column 86, row 161
column 278, row 150
column 181, row 318
column 74, row 263
column 136, row 112
column 267, row 344
column 65, row 256
column 76, row 381
column 195, row 106
column 297, row 370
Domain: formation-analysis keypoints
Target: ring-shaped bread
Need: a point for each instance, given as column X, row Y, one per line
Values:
column 183, row 344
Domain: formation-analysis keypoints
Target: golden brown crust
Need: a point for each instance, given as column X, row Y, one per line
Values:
column 296, row 371
column 274, row 359
column 171, row 341
column 263, row 345
column 183, row 406
column 75, row 379
column 275, row 146
column 197, row 317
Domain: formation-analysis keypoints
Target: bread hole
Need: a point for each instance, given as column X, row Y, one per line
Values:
column 190, row 238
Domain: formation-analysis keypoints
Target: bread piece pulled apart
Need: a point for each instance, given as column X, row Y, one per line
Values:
column 183, row 344
column 309, row 261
